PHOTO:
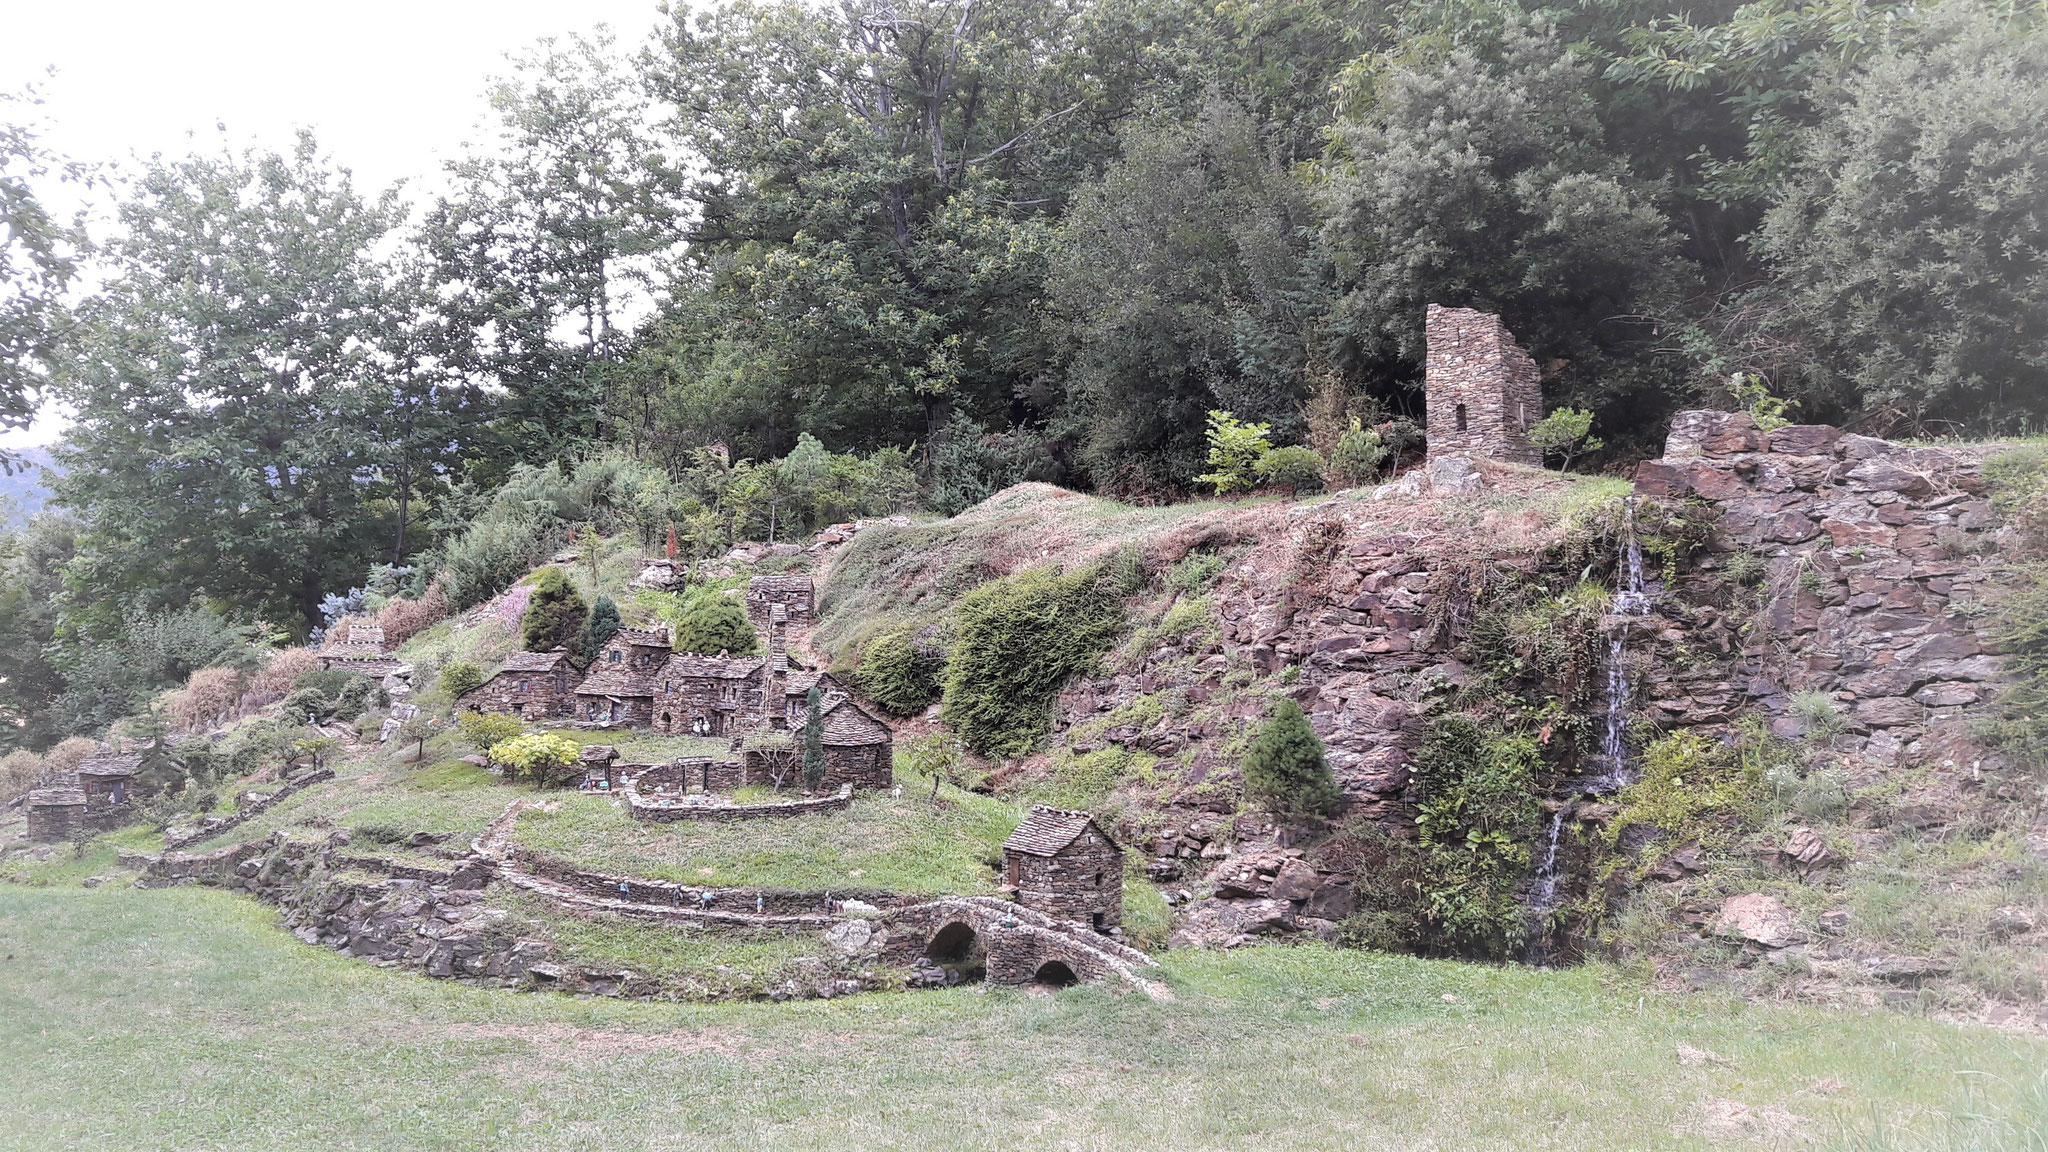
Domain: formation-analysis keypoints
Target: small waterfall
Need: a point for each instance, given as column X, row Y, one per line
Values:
column 1631, row 601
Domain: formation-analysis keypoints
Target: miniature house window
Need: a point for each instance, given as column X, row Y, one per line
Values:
column 1461, row 417
column 523, row 685
column 616, row 654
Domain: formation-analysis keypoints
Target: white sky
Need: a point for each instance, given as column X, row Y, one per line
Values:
column 391, row 87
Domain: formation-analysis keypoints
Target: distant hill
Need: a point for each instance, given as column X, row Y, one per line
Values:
column 23, row 492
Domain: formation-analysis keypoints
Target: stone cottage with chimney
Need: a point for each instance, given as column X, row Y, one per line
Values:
column 1063, row 864
column 1482, row 392
column 708, row 695
column 531, row 686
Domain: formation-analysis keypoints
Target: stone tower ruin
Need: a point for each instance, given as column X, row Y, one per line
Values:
column 1481, row 390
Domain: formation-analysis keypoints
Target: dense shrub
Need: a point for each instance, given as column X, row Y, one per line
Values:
column 484, row 731
column 1475, row 818
column 554, row 613
column 405, row 617
column 1292, row 467
column 209, row 695
column 901, row 672
column 1284, row 768
column 710, row 622
column 548, row 759
column 279, row 672
column 1018, row 640
column 603, row 624
column 461, row 678
column 1356, row 457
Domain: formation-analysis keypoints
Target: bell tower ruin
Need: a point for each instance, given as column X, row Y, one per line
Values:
column 1481, row 390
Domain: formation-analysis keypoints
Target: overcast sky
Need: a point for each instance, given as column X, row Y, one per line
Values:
column 392, row 87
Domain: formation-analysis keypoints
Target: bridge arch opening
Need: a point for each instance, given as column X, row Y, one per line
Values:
column 958, row 947
column 1055, row 974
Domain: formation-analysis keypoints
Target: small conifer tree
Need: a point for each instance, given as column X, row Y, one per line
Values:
column 554, row 613
column 1284, row 769
column 602, row 626
column 814, row 741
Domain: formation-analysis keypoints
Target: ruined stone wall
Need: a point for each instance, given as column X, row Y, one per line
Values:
column 1482, row 391
column 212, row 826
column 1869, row 561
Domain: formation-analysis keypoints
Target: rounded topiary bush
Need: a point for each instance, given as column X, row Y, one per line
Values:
column 901, row 673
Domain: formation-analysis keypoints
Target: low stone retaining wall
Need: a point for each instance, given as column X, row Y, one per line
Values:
column 175, row 840
column 605, row 885
column 650, row 808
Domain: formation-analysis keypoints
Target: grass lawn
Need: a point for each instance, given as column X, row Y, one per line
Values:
column 900, row 844
column 183, row 1019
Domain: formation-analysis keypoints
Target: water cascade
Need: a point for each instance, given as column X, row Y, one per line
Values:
column 1630, row 602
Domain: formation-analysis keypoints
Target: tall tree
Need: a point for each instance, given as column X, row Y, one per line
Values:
column 542, row 250
column 228, row 381
column 38, row 261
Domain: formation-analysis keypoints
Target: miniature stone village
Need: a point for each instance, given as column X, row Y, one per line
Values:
column 1795, row 490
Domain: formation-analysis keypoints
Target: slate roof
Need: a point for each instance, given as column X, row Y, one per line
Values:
column 535, row 661
column 846, row 726
column 689, row 664
column 110, row 764
column 641, row 638
column 1048, row 831
column 760, row 585
column 608, row 681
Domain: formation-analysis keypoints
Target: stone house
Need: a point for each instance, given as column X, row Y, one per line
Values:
column 531, row 686
column 1482, row 392
column 796, row 594
column 1063, row 864
column 108, row 778
column 708, row 695
column 618, row 688
column 358, row 647
column 54, row 814
column 859, row 749
column 600, row 766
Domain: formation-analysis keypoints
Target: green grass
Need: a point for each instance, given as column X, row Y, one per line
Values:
column 692, row 962
column 183, row 1019
column 897, row 844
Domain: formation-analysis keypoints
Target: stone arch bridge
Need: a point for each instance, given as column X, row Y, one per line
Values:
column 1015, row 945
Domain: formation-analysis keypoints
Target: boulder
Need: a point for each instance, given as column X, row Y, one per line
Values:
column 2010, row 921
column 1806, row 850
column 1295, row 881
column 1454, row 474
column 1758, row 919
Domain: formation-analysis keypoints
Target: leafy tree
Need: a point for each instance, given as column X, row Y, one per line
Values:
column 461, row 678
column 603, row 624
column 1184, row 281
column 537, row 252
column 416, row 730
column 38, row 262
column 1235, row 449
column 1906, row 237
column 547, row 759
column 227, row 381
column 1565, row 432
column 711, row 622
column 1284, row 768
column 1475, row 820
column 554, row 613
column 814, row 741
column 1479, row 176
column 484, row 731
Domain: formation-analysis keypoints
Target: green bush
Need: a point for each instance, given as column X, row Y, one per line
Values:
column 900, row 674
column 484, row 731
column 327, row 681
column 548, row 759
column 1692, row 788
column 710, row 622
column 1293, row 467
column 1019, row 640
column 461, row 678
column 1284, row 769
column 1235, row 449
column 1475, row 817
column 554, row 613
column 1565, row 432
column 1357, row 456
column 602, row 625
column 1194, row 572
